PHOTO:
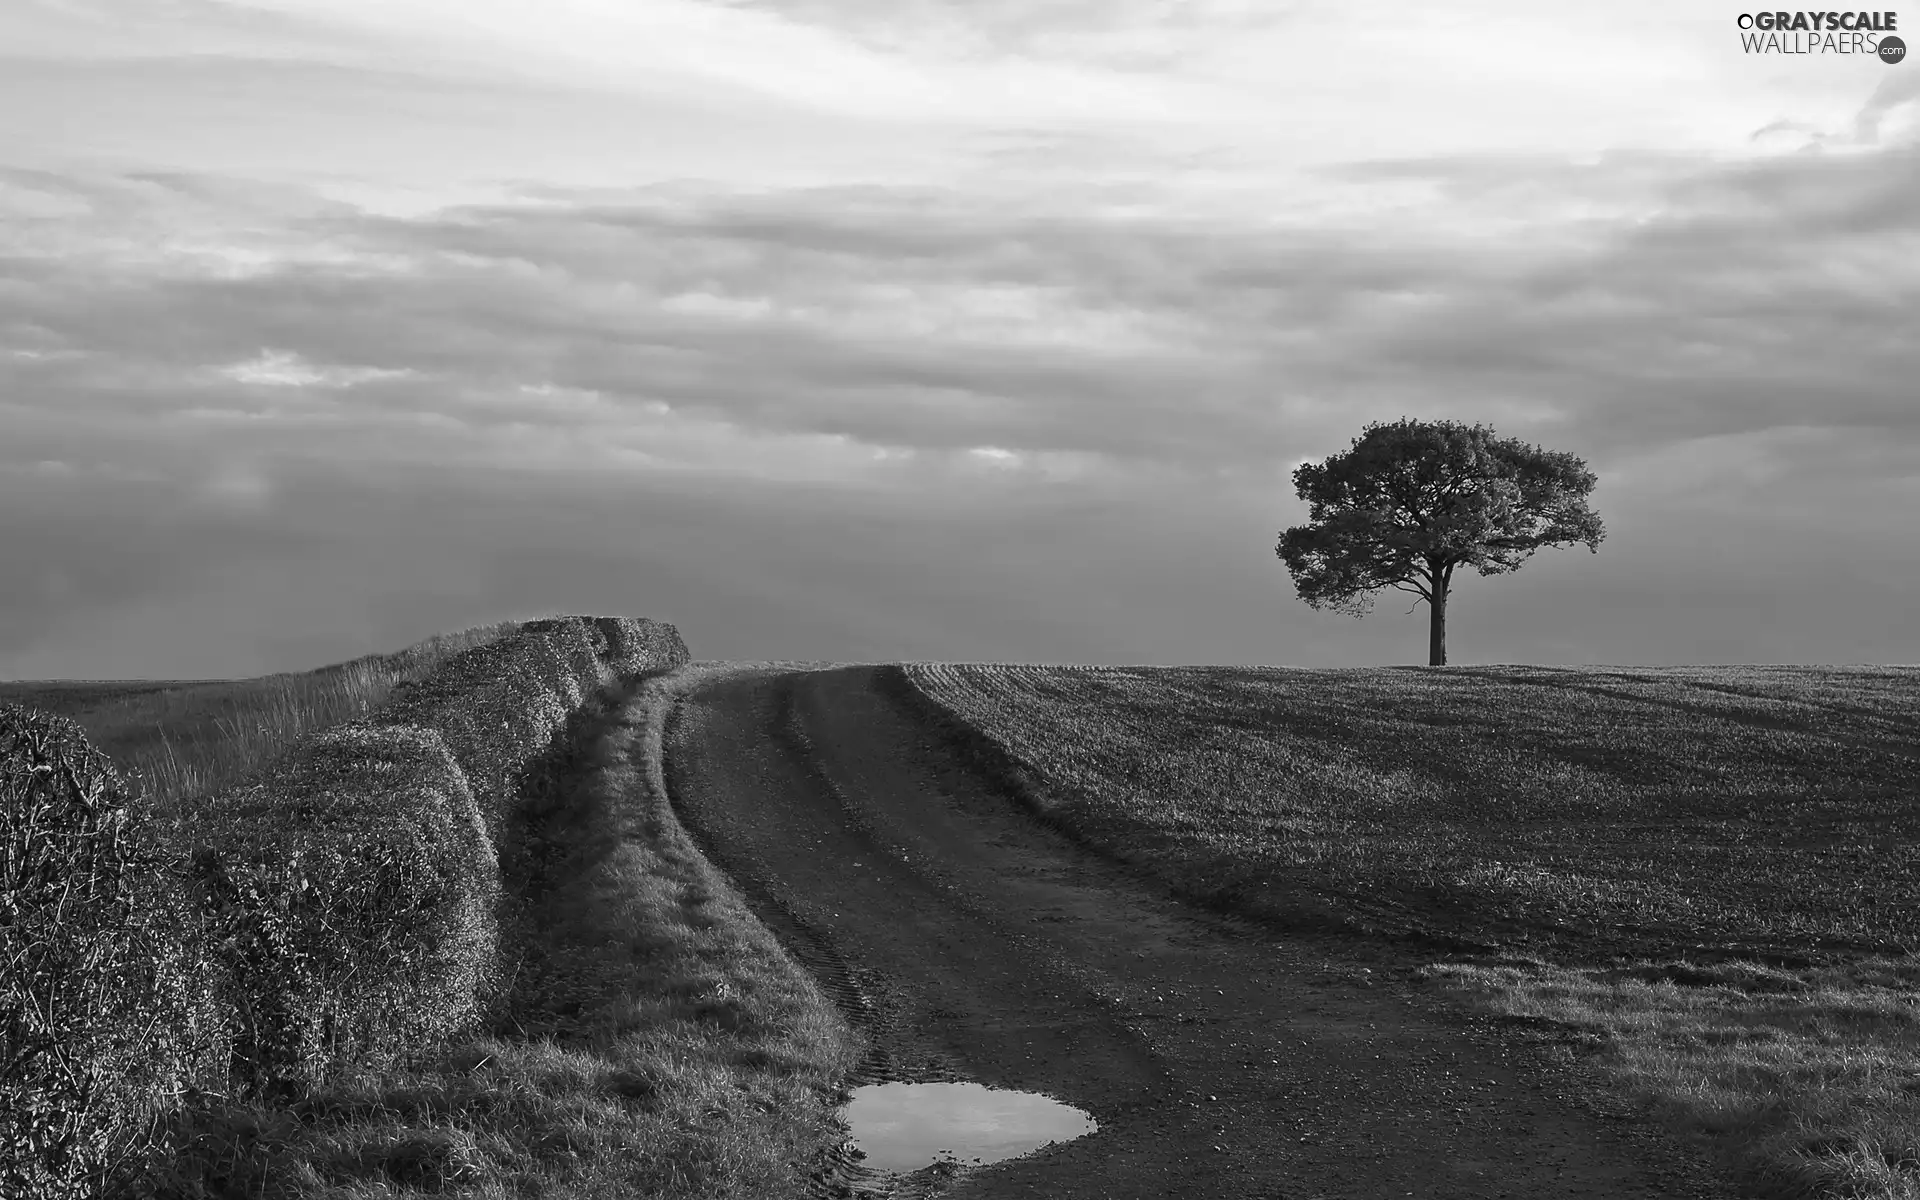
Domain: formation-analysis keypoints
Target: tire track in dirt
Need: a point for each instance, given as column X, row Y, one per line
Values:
column 851, row 989
column 759, row 713
column 1220, row 1059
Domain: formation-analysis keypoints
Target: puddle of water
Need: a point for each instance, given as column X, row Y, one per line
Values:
column 905, row 1126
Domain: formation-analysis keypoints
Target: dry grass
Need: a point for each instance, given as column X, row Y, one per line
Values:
column 1809, row 1081
column 187, row 739
column 1710, row 870
column 659, row 1042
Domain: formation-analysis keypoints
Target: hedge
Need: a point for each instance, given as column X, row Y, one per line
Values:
column 352, row 890
column 100, row 1017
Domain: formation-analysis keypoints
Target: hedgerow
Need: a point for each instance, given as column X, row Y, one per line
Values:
column 341, row 908
column 101, row 1019
column 354, row 886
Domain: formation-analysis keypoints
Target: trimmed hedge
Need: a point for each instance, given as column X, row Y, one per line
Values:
column 353, row 889
column 352, row 895
column 98, row 1013
column 498, row 706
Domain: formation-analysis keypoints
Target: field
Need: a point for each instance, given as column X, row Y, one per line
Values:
column 1761, row 813
column 1707, row 874
column 1712, row 870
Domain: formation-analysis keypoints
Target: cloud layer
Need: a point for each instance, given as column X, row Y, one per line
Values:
column 1038, row 401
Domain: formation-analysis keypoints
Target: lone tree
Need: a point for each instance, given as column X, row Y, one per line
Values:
column 1413, row 500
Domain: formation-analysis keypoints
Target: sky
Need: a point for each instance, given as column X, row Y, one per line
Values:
column 986, row 330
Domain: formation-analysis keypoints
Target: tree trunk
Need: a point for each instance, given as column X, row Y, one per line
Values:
column 1437, row 625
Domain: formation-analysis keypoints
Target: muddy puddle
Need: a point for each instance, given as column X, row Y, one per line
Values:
column 902, row 1127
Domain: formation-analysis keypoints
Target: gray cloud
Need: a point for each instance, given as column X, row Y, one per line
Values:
column 1741, row 295
column 1730, row 345
column 1118, row 33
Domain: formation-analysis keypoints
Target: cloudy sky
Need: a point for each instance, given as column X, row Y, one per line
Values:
column 935, row 329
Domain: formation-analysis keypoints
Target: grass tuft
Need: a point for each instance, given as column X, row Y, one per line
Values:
column 1806, row 1081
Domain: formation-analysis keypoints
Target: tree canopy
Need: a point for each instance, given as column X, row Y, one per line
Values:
column 1412, row 500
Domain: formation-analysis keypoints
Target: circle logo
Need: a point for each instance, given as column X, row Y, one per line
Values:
column 1892, row 49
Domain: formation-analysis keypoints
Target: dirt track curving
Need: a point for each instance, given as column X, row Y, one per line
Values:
column 1220, row 1059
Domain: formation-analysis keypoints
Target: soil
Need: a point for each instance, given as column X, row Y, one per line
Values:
column 1220, row 1058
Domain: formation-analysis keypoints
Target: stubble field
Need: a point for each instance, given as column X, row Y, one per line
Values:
column 1709, row 872
column 1759, row 812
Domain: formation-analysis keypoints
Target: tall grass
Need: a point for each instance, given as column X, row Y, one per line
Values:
column 198, row 738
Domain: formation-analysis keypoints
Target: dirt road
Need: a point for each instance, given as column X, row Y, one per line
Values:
column 1220, row 1060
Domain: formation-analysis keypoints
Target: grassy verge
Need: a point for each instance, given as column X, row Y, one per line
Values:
column 1710, row 871
column 657, row 1040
